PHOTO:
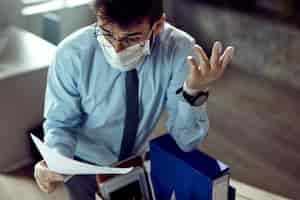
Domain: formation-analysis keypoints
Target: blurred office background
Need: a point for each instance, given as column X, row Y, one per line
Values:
column 254, row 109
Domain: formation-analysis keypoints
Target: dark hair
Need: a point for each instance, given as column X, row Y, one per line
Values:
column 127, row 12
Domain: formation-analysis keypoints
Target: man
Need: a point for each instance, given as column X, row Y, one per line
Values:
column 113, row 79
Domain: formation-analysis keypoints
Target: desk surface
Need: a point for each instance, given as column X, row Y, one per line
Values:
column 247, row 192
column 24, row 52
column 243, row 190
column 23, row 70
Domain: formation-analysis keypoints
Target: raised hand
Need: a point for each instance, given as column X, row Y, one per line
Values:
column 202, row 74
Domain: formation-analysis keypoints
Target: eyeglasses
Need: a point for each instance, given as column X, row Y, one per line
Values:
column 126, row 41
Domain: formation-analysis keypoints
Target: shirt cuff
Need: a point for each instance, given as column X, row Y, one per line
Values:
column 179, row 92
column 191, row 91
column 198, row 108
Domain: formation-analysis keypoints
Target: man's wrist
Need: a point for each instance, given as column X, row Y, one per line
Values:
column 195, row 100
column 191, row 91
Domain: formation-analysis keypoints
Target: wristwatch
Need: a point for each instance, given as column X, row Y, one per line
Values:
column 194, row 100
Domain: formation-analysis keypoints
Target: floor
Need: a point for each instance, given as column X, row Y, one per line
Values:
column 12, row 186
column 254, row 129
column 21, row 185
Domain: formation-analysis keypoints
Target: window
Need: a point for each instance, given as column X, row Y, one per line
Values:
column 42, row 6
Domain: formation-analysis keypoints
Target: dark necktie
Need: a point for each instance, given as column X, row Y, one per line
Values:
column 132, row 114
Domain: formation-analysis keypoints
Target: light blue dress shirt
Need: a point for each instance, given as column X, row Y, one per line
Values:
column 85, row 97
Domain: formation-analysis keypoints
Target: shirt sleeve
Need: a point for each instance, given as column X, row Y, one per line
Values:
column 62, row 109
column 187, row 124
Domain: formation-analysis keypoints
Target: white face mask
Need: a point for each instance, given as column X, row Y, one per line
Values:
column 126, row 60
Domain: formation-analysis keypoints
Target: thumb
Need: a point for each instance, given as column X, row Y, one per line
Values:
column 57, row 177
column 53, row 176
column 192, row 64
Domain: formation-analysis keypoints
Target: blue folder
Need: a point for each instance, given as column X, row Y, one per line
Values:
column 189, row 174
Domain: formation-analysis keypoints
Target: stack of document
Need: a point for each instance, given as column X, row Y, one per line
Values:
column 64, row 165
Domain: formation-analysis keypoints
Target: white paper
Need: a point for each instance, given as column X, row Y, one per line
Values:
column 173, row 196
column 220, row 188
column 64, row 165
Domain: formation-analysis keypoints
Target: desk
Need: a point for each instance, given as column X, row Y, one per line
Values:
column 23, row 70
column 247, row 192
column 24, row 52
column 243, row 191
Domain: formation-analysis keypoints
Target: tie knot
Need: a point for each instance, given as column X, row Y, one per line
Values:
column 132, row 78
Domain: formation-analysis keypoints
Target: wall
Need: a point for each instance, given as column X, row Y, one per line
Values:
column 264, row 47
column 71, row 19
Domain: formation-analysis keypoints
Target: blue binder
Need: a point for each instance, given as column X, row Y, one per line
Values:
column 190, row 174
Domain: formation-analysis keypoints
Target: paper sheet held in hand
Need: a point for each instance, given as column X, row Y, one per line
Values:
column 63, row 165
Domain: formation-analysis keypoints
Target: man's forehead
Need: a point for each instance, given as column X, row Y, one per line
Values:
column 138, row 26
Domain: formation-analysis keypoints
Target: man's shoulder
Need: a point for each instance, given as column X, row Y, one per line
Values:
column 173, row 36
column 79, row 41
column 74, row 48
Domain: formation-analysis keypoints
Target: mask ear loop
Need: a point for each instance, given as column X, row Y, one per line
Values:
column 151, row 42
column 96, row 30
column 152, row 38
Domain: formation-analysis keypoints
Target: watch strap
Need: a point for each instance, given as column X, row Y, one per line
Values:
column 194, row 100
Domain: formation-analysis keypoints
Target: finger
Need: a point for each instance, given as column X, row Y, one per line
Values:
column 216, row 53
column 55, row 177
column 52, row 176
column 202, row 55
column 204, row 61
column 193, row 64
column 43, row 163
column 45, row 175
column 37, row 171
column 227, row 57
column 42, row 184
column 48, row 187
column 43, row 187
column 52, row 187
